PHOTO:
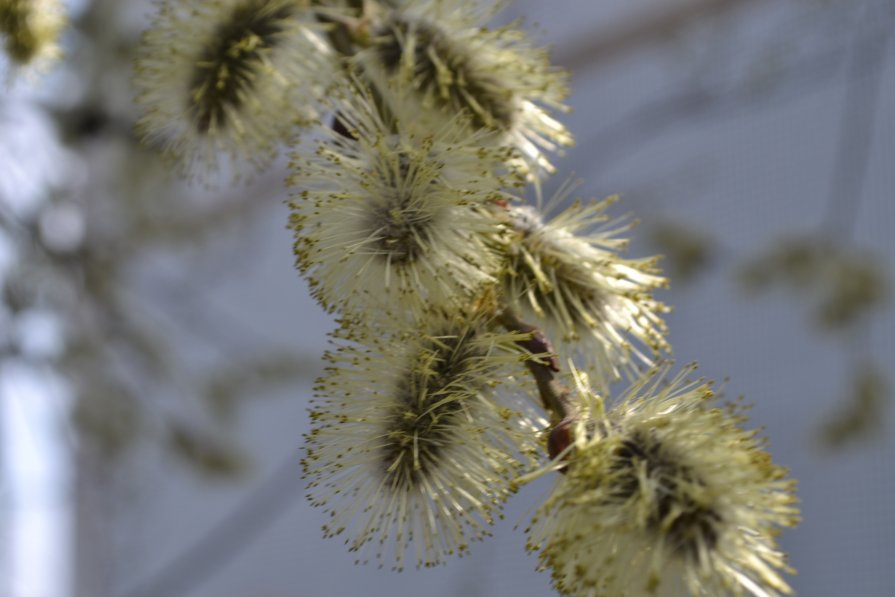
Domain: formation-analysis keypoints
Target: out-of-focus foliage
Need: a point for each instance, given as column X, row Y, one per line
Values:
column 213, row 455
column 226, row 389
column 862, row 414
column 687, row 251
column 85, row 212
column 843, row 289
column 840, row 285
column 29, row 30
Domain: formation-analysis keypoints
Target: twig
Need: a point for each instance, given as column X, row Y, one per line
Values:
column 234, row 534
column 556, row 397
column 856, row 128
column 589, row 51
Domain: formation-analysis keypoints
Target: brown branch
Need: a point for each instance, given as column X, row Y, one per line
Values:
column 556, row 397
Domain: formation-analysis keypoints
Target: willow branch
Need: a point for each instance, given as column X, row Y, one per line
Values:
column 557, row 398
column 590, row 50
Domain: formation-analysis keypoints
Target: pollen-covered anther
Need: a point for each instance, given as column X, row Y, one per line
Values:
column 439, row 56
column 425, row 416
column 448, row 73
column 400, row 222
column 230, row 78
column 396, row 219
column 225, row 71
column 642, row 469
column 566, row 274
column 666, row 495
column 412, row 452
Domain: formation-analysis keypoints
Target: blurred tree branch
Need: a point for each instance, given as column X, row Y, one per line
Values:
column 251, row 517
column 856, row 129
column 590, row 51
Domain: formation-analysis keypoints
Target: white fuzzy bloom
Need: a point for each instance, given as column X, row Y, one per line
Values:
column 394, row 218
column 229, row 78
column 439, row 55
column 566, row 276
column 666, row 495
column 411, row 450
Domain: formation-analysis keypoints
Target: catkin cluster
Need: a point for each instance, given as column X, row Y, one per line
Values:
column 479, row 333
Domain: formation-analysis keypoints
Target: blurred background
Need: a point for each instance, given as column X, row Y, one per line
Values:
column 157, row 348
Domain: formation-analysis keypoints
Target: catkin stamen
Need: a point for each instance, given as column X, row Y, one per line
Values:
column 228, row 67
column 400, row 223
column 688, row 526
column 452, row 76
column 427, row 407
